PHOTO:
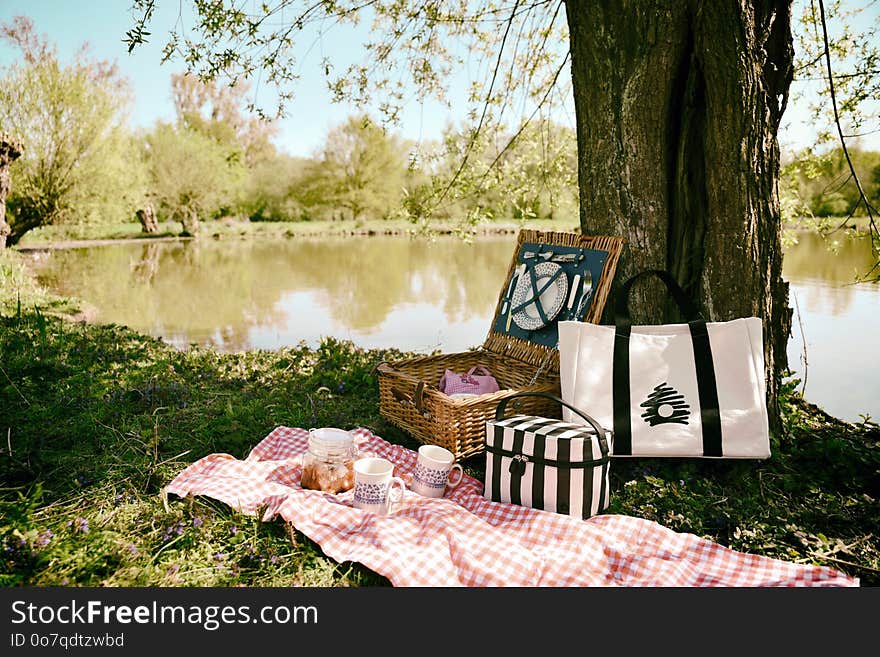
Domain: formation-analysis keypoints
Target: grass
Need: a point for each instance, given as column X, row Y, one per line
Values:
column 96, row 419
column 228, row 228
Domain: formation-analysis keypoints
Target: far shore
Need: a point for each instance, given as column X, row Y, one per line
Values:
column 87, row 235
column 61, row 237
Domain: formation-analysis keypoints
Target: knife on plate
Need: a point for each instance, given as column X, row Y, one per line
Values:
column 575, row 282
column 507, row 300
column 581, row 305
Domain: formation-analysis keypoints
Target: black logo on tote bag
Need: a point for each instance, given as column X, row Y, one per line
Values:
column 664, row 406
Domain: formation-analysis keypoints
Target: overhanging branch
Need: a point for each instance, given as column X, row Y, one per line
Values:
column 875, row 233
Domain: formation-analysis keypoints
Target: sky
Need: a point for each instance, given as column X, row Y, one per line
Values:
column 103, row 24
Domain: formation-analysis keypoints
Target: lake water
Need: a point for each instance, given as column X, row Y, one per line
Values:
column 420, row 295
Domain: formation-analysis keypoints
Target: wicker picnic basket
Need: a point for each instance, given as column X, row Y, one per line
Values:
column 408, row 389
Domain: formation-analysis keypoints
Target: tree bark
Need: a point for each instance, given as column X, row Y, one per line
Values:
column 678, row 106
column 190, row 222
column 147, row 217
column 10, row 150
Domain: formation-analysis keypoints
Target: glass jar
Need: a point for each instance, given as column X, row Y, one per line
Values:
column 328, row 465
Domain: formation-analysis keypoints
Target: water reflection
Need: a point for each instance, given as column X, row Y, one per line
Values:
column 419, row 296
column 838, row 321
column 825, row 271
column 378, row 291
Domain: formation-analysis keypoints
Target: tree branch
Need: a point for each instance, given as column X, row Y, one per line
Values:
column 864, row 199
column 532, row 116
column 472, row 141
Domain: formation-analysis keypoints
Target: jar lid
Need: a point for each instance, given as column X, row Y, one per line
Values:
column 330, row 439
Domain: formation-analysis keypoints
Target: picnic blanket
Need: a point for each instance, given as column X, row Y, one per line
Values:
column 463, row 539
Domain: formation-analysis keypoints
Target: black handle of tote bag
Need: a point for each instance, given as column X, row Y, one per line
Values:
column 600, row 432
column 707, row 386
column 685, row 305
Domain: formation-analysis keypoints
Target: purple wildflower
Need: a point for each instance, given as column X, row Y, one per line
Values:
column 45, row 538
column 174, row 530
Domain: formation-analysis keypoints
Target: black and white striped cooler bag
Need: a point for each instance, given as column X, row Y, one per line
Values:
column 547, row 464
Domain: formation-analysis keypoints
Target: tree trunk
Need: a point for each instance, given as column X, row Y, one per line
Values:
column 678, row 106
column 190, row 222
column 10, row 150
column 147, row 217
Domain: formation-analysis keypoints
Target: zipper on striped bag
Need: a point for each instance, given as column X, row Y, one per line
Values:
column 522, row 459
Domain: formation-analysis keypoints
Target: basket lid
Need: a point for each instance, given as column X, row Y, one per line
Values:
column 553, row 276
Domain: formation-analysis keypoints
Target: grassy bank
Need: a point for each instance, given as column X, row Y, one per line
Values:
column 95, row 420
column 230, row 228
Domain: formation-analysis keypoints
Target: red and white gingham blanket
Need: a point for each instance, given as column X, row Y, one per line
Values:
column 464, row 539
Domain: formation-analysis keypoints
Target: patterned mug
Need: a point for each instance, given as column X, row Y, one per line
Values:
column 433, row 471
column 373, row 483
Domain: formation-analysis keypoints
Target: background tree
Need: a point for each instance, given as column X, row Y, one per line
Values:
column 465, row 185
column 825, row 183
column 275, row 189
column 538, row 173
column 191, row 175
column 77, row 161
column 875, row 178
column 217, row 111
column 531, row 174
column 362, row 169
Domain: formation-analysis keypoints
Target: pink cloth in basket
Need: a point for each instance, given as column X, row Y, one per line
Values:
column 463, row 539
column 454, row 383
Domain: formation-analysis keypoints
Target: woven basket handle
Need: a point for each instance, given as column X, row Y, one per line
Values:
column 499, row 410
column 417, row 398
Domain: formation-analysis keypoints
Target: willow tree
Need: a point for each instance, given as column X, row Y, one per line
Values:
column 76, row 165
column 677, row 107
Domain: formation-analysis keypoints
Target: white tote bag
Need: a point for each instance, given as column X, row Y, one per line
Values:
column 675, row 390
